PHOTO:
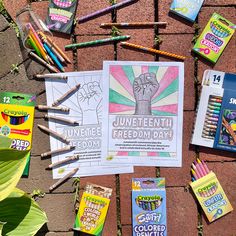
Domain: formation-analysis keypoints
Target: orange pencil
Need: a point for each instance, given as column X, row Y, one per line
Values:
column 153, row 50
column 37, row 41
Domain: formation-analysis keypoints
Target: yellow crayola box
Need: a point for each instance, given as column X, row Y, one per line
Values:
column 93, row 210
column 16, row 120
column 211, row 197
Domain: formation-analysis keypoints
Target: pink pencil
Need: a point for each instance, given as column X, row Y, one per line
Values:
column 205, row 167
column 196, row 172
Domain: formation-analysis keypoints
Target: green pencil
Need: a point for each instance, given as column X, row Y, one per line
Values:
column 99, row 41
column 34, row 46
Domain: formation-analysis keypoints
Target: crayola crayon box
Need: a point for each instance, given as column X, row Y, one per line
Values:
column 16, row 120
column 149, row 207
column 215, row 124
column 61, row 14
column 187, row 9
column 214, row 38
column 93, row 209
column 211, row 197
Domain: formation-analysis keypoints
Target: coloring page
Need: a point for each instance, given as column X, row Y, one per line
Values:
column 143, row 113
column 85, row 105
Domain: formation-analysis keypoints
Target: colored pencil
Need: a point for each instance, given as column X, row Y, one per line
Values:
column 98, row 41
column 105, row 10
column 49, row 67
column 54, row 58
column 43, row 107
column 59, row 100
column 65, row 149
column 57, row 118
column 63, row 179
column 68, row 159
column 54, row 133
column 53, row 44
column 127, row 24
column 34, row 46
column 153, row 50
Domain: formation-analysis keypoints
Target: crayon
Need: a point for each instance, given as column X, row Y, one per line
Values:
column 57, row 118
column 63, row 179
column 71, row 158
column 153, row 50
column 105, row 10
column 215, row 104
column 212, row 119
column 214, row 107
column 198, row 173
column 204, row 166
column 211, row 126
column 65, row 149
column 128, row 24
column 212, row 134
column 51, row 76
column 194, row 174
column 218, row 100
column 213, row 115
column 213, row 111
column 43, row 107
column 54, row 133
column 98, row 41
column 211, row 122
column 208, row 137
column 59, row 100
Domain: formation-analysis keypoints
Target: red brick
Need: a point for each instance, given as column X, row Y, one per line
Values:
column 91, row 58
column 12, row 8
column 182, row 213
column 225, row 226
column 137, row 12
column 210, row 154
column 109, row 181
column 41, row 9
column 175, row 24
column 125, row 190
column 127, row 230
column 227, row 60
column 183, row 48
column 131, row 54
column 218, row 2
column 181, row 176
column 92, row 26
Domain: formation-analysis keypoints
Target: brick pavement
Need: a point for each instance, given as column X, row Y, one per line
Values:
column 184, row 216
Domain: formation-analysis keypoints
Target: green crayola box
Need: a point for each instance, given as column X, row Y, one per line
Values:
column 214, row 38
column 211, row 197
column 149, row 207
column 16, row 120
column 93, row 209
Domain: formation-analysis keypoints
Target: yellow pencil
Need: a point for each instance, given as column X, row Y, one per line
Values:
column 153, row 50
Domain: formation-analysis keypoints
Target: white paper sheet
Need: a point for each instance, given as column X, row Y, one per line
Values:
column 143, row 113
column 86, row 108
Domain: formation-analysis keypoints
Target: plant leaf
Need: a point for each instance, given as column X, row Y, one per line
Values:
column 12, row 164
column 22, row 214
column 5, row 142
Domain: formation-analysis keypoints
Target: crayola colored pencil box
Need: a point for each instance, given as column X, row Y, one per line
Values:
column 16, row 120
column 214, row 38
column 211, row 197
column 215, row 124
column 149, row 207
column 187, row 9
column 93, row 209
column 61, row 14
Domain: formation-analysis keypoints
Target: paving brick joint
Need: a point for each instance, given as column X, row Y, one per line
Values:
column 184, row 215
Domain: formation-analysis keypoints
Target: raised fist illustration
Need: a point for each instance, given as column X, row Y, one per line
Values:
column 89, row 97
column 144, row 87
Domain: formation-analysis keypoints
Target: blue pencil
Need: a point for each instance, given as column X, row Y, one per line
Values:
column 54, row 58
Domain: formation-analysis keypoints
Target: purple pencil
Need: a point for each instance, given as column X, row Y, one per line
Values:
column 105, row 10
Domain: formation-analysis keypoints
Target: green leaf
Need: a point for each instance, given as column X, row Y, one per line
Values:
column 22, row 214
column 12, row 164
column 5, row 142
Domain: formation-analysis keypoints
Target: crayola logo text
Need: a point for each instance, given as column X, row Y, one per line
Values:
column 149, row 198
column 208, row 187
column 14, row 113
